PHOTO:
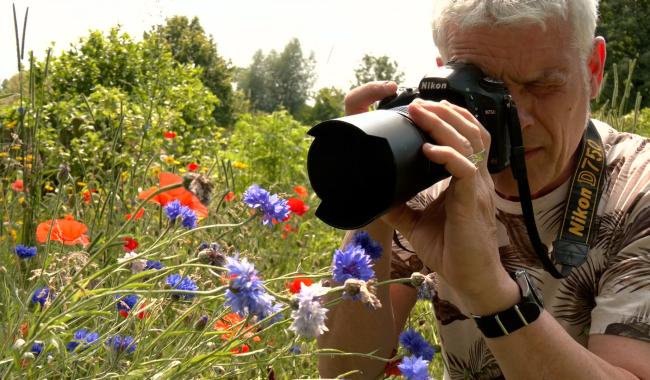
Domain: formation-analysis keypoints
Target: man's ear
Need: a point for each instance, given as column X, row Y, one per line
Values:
column 596, row 65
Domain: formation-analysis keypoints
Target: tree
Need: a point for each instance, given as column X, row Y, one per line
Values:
column 190, row 45
column 377, row 68
column 627, row 39
column 107, row 94
column 328, row 104
column 279, row 79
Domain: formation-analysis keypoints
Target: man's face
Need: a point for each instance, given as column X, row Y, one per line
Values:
column 549, row 83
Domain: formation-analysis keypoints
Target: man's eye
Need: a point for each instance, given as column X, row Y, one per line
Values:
column 544, row 87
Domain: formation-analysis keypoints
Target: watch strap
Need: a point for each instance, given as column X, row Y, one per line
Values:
column 507, row 321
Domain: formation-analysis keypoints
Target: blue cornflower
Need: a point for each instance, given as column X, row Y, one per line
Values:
column 414, row 368
column 41, row 295
column 151, row 264
column 189, row 218
column 126, row 303
column 351, row 263
column 25, row 252
column 272, row 206
column 37, row 348
column 122, row 343
column 175, row 281
column 416, row 344
column 81, row 336
column 173, row 210
column 372, row 247
column 246, row 294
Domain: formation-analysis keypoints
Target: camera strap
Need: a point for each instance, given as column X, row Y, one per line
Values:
column 571, row 247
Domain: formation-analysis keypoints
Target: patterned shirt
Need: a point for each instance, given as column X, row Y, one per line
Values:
column 608, row 294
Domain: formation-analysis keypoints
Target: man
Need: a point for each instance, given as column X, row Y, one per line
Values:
column 595, row 323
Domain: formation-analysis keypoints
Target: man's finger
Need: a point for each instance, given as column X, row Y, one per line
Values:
column 359, row 99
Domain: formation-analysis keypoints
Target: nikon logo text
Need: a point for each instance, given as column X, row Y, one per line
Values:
column 579, row 216
column 434, row 86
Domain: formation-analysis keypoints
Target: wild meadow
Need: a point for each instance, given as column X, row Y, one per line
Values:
column 155, row 227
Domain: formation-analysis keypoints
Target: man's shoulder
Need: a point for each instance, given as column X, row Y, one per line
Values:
column 627, row 168
column 618, row 143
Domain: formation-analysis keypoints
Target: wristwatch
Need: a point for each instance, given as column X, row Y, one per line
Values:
column 523, row 313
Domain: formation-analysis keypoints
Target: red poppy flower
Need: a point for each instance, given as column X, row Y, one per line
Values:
column 88, row 195
column 301, row 191
column 142, row 314
column 67, row 231
column 294, row 286
column 130, row 244
column 240, row 350
column 193, row 166
column 391, row 368
column 297, row 206
column 170, row 135
column 227, row 326
column 186, row 197
column 138, row 215
column 18, row 186
column 229, row 197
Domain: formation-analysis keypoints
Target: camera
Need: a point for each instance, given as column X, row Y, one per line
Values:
column 361, row 166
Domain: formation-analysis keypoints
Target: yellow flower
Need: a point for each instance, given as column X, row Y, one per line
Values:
column 49, row 187
column 4, row 154
column 21, row 200
column 29, row 157
column 182, row 170
column 169, row 160
column 155, row 171
column 13, row 233
column 11, row 124
column 82, row 184
column 124, row 175
column 239, row 165
column 15, row 147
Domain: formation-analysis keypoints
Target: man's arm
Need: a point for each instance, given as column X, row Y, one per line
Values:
column 356, row 328
column 544, row 350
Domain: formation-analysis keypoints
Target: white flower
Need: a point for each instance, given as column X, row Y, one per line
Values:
column 137, row 265
column 309, row 319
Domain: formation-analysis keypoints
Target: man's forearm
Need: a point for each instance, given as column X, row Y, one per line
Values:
column 357, row 329
column 544, row 350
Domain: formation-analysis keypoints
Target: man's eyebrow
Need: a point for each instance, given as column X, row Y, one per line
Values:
column 551, row 75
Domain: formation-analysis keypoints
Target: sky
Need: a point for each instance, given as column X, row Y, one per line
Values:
column 338, row 32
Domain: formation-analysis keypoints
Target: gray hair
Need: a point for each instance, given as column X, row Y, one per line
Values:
column 581, row 15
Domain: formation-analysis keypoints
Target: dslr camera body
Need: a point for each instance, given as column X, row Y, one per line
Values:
column 363, row 165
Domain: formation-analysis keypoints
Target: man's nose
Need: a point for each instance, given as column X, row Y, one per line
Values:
column 524, row 103
column 525, row 117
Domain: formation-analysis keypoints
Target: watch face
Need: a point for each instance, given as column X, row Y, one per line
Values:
column 528, row 290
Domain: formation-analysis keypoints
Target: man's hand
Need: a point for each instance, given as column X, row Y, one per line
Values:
column 455, row 235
